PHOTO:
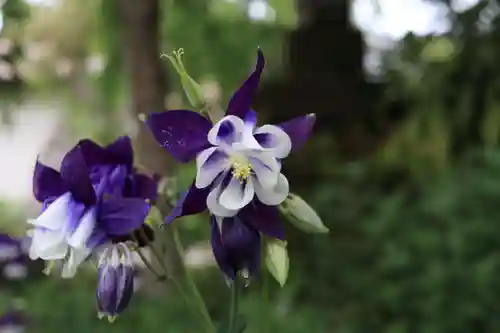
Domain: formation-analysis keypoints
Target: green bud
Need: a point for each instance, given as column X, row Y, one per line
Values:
column 154, row 217
column 301, row 215
column 276, row 259
column 191, row 88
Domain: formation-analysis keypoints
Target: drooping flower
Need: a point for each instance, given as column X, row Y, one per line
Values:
column 115, row 284
column 12, row 322
column 238, row 163
column 96, row 196
column 236, row 246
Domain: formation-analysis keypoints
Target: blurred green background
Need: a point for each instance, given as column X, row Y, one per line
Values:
column 404, row 166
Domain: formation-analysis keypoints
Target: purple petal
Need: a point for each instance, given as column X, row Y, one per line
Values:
column 242, row 244
column 121, row 151
column 118, row 152
column 97, row 238
column 250, row 118
column 182, row 133
column 220, row 254
column 114, row 182
column 47, row 182
column 141, row 186
column 193, row 201
column 264, row 218
column 75, row 173
column 241, row 101
column 120, row 216
column 76, row 211
column 299, row 129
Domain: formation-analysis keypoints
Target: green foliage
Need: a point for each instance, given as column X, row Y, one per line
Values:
column 416, row 257
column 72, row 305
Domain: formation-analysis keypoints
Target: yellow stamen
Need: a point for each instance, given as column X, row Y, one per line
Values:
column 242, row 169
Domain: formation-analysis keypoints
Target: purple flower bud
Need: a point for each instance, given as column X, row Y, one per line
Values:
column 115, row 285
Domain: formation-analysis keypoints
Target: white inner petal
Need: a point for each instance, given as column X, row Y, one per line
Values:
column 236, row 196
column 237, row 125
column 279, row 143
column 56, row 215
column 275, row 195
column 266, row 169
column 75, row 259
column 85, row 227
column 213, row 204
column 48, row 245
column 207, row 172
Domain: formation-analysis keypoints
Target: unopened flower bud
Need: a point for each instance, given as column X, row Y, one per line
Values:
column 115, row 285
column 277, row 260
column 301, row 215
column 192, row 89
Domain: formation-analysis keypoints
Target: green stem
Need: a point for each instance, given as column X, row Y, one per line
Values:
column 192, row 288
column 233, row 310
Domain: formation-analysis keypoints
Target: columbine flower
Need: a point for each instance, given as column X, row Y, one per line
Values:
column 10, row 248
column 236, row 246
column 115, row 284
column 238, row 163
column 12, row 322
column 96, row 196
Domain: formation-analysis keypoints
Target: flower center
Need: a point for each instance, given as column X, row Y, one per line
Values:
column 241, row 168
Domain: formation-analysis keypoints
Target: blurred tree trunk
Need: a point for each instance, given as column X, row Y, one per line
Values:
column 148, row 84
column 324, row 59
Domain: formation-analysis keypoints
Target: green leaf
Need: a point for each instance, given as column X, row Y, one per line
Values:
column 277, row 260
column 301, row 215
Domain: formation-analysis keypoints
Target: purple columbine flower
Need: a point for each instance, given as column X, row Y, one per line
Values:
column 238, row 162
column 115, row 284
column 12, row 322
column 10, row 248
column 96, row 196
column 12, row 258
column 236, row 246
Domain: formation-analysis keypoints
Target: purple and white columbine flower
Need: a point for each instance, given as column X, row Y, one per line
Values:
column 239, row 177
column 96, row 196
column 12, row 258
column 237, row 161
column 12, row 322
column 10, row 248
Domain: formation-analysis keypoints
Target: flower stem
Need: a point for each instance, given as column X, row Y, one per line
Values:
column 233, row 310
column 192, row 288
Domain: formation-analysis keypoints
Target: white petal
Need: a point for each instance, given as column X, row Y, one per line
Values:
column 234, row 197
column 84, row 229
column 215, row 207
column 266, row 169
column 274, row 196
column 56, row 215
column 75, row 259
column 279, row 143
column 48, row 245
column 207, row 171
column 237, row 126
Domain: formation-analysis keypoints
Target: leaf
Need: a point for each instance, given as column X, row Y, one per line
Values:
column 277, row 260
